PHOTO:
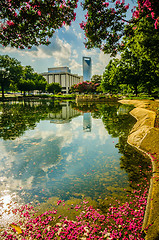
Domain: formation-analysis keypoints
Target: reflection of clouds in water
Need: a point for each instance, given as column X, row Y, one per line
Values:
column 102, row 132
column 68, row 133
column 15, row 184
column 89, row 135
column 80, row 149
column 77, row 123
column 69, row 157
column 6, row 158
column 29, row 159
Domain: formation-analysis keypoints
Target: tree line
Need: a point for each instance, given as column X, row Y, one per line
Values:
column 104, row 23
column 136, row 69
column 106, row 26
column 15, row 77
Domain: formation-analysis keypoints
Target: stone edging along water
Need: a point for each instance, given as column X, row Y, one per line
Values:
column 145, row 137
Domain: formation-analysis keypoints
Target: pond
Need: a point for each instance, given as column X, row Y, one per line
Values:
column 64, row 150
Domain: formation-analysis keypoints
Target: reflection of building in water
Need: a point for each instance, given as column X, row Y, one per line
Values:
column 64, row 115
column 87, row 122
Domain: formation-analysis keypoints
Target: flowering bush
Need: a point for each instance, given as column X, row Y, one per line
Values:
column 85, row 87
column 27, row 23
column 105, row 23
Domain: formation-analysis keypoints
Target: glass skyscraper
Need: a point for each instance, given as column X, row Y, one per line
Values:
column 87, row 68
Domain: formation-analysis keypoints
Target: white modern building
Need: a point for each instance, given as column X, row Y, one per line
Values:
column 63, row 76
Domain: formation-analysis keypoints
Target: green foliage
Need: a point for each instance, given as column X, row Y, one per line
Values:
column 137, row 70
column 110, row 78
column 40, row 82
column 15, row 77
column 54, row 88
column 104, row 26
column 24, row 24
column 26, row 83
column 31, row 81
column 16, row 118
column 96, row 79
column 106, row 21
column 70, row 96
column 10, row 72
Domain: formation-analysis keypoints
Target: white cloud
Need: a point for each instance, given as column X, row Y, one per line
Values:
column 90, row 53
column 67, row 27
column 75, row 54
column 75, row 66
column 101, row 62
column 59, row 49
column 77, row 33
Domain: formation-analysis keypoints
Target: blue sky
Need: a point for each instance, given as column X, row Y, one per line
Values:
column 66, row 49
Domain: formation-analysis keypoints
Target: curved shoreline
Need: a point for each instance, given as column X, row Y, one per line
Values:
column 145, row 137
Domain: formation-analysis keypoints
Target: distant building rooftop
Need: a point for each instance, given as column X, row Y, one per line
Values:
column 59, row 70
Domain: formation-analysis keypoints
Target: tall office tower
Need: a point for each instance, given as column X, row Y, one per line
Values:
column 87, row 68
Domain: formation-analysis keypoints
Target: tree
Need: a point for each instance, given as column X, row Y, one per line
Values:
column 54, row 88
column 110, row 77
column 144, row 41
column 26, row 85
column 10, row 72
column 40, row 82
column 26, row 82
column 138, row 67
column 32, row 22
column 143, row 44
column 106, row 24
column 39, row 19
column 137, row 73
column 96, row 79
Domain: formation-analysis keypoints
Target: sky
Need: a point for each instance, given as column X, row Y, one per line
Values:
column 66, row 49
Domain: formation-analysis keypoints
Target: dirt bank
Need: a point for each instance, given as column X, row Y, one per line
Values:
column 145, row 137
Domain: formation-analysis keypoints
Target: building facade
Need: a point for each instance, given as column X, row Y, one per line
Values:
column 63, row 76
column 87, row 69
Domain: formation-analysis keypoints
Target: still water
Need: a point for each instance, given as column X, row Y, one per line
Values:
column 66, row 150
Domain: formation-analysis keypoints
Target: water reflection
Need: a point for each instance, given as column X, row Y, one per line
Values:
column 8, row 202
column 45, row 153
column 87, row 122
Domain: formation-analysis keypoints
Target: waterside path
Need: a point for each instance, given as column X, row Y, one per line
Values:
column 145, row 137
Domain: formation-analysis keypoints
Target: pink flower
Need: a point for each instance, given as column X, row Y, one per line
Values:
column 136, row 14
column 106, row 4
column 38, row 236
column 117, row 2
column 127, row 6
column 153, row 15
column 147, row 3
column 156, row 24
column 39, row 13
column 58, row 202
column 10, row 23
